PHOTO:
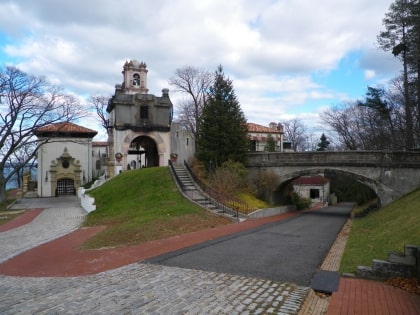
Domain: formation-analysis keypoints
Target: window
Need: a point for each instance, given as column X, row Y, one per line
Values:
column 144, row 112
column 253, row 145
column 136, row 79
column 103, row 158
column 65, row 164
column 314, row 193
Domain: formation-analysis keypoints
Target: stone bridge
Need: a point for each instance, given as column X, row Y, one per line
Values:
column 389, row 174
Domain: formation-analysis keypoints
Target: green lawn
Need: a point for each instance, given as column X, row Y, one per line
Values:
column 143, row 205
column 384, row 230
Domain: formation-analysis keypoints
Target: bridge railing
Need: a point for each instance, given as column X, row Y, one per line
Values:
column 408, row 159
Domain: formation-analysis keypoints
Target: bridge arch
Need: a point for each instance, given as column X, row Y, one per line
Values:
column 382, row 191
column 389, row 174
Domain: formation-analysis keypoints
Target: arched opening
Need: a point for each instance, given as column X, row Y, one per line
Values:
column 65, row 186
column 343, row 186
column 143, row 150
column 136, row 79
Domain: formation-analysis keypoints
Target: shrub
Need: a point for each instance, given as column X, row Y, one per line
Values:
column 228, row 179
column 300, row 202
column 265, row 183
column 198, row 169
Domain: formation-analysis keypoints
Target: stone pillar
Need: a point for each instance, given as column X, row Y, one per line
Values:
column 110, row 167
column 26, row 179
column 111, row 159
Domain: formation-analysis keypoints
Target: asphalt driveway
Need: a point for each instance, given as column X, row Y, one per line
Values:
column 287, row 251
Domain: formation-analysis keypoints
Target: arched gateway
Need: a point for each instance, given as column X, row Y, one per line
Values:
column 139, row 131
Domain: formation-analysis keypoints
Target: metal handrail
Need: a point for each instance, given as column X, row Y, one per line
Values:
column 178, row 180
column 221, row 200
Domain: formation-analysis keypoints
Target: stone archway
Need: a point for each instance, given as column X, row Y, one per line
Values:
column 146, row 150
column 286, row 180
column 65, row 174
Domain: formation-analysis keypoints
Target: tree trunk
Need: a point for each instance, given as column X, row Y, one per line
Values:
column 408, row 109
column 2, row 185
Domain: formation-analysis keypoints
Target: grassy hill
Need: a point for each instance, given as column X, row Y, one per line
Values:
column 143, row 205
column 384, row 230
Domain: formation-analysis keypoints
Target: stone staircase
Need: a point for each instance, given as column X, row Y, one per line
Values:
column 192, row 191
column 406, row 264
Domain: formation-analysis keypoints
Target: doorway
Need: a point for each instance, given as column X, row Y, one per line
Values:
column 143, row 150
column 65, row 186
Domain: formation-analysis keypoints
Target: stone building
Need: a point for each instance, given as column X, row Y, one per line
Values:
column 258, row 135
column 99, row 158
column 139, row 123
column 65, row 162
column 182, row 144
column 316, row 188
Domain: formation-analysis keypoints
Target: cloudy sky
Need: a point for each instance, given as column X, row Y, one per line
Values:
column 287, row 58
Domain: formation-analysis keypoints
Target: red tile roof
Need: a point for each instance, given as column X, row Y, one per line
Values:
column 65, row 129
column 313, row 180
column 261, row 129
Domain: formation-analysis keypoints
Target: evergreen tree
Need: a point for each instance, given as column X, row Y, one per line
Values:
column 323, row 144
column 271, row 144
column 401, row 37
column 223, row 129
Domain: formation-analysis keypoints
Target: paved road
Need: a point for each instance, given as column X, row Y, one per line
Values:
column 285, row 251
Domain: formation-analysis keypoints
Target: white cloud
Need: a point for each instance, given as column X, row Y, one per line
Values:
column 269, row 48
column 369, row 74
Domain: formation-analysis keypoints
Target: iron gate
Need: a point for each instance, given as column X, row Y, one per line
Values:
column 65, row 186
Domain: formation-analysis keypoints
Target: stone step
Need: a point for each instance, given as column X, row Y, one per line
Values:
column 411, row 250
column 185, row 182
column 189, row 183
column 382, row 269
column 401, row 258
column 206, row 203
column 364, row 272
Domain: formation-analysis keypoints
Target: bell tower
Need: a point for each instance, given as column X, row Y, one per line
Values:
column 140, row 123
column 135, row 77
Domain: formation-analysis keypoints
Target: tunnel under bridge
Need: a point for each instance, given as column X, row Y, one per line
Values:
column 390, row 174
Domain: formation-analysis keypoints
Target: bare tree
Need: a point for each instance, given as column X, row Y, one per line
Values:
column 376, row 123
column 100, row 104
column 193, row 82
column 295, row 132
column 344, row 121
column 26, row 104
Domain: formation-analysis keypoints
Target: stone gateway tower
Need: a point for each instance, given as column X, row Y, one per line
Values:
column 139, row 134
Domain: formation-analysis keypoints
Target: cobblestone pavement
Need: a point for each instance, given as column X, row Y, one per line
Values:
column 60, row 217
column 149, row 289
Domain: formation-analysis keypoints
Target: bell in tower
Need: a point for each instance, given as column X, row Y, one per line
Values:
column 135, row 77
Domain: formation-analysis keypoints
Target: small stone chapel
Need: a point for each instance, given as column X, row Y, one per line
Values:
column 139, row 123
column 65, row 161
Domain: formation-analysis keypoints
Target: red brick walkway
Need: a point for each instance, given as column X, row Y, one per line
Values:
column 364, row 297
column 25, row 218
